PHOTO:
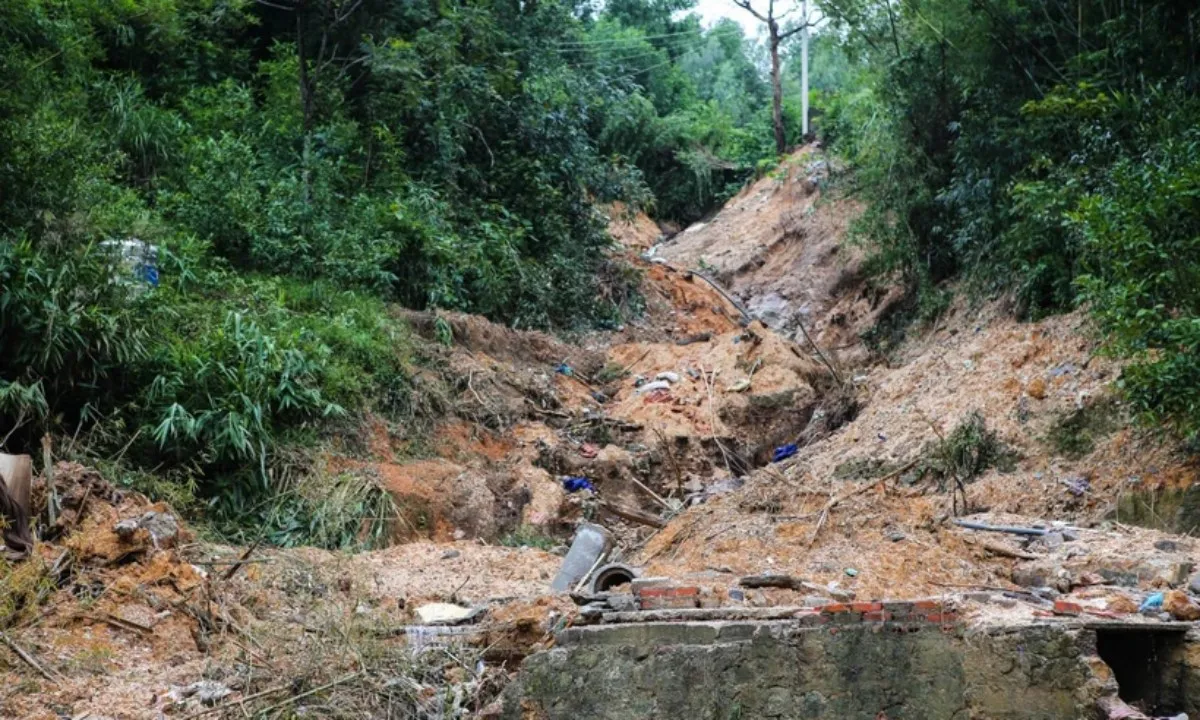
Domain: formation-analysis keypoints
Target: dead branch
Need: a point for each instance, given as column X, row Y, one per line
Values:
column 835, row 501
column 27, row 658
column 241, row 560
column 636, row 516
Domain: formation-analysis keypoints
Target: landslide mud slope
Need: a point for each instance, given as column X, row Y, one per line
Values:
column 673, row 419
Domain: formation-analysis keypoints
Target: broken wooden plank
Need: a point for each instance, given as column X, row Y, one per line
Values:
column 631, row 515
column 27, row 658
column 772, row 581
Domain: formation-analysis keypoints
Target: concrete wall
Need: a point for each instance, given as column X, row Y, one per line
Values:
column 753, row 670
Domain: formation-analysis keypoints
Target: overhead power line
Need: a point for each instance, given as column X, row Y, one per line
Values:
column 637, row 39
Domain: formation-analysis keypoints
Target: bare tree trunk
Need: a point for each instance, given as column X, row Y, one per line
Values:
column 777, row 91
column 804, row 72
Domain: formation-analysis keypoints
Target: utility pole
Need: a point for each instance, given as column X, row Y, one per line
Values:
column 771, row 20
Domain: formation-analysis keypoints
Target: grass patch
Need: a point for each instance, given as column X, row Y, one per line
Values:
column 611, row 372
column 968, row 451
column 529, row 536
column 1074, row 435
column 863, row 469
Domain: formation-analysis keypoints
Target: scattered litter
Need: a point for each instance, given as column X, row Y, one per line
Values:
column 1152, row 603
column 670, row 377
column 588, row 450
column 1001, row 528
column 206, row 692
column 565, row 369
column 162, row 528
column 783, row 452
column 443, row 614
column 652, row 386
column 1077, row 486
column 658, row 396
column 1064, row 369
column 740, row 386
column 851, row 572
column 575, row 484
column 588, row 550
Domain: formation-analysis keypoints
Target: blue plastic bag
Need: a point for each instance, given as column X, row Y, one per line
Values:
column 1154, row 602
column 784, row 452
column 575, row 484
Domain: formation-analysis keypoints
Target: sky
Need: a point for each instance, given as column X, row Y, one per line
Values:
column 714, row 10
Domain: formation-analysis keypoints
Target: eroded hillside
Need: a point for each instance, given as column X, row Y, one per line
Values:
column 715, row 441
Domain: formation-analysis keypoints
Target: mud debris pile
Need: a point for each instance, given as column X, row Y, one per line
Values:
column 981, row 466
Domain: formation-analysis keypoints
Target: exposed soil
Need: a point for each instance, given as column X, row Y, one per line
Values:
column 675, row 416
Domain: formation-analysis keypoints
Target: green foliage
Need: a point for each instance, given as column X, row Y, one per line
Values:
column 968, row 451
column 298, row 167
column 1054, row 166
column 1074, row 434
column 529, row 536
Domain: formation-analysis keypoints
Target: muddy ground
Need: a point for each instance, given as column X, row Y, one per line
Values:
column 674, row 420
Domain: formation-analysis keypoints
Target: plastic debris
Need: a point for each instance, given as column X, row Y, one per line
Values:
column 443, row 614
column 591, row 543
column 740, row 386
column 1153, row 602
column 564, row 369
column 851, row 572
column 575, row 484
column 668, row 376
column 658, row 396
column 1077, row 486
column 652, row 386
column 783, row 452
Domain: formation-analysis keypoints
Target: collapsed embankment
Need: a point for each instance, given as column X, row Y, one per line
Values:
column 755, row 477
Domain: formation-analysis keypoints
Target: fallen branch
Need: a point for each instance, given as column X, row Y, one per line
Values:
column 653, row 494
column 636, row 516
column 721, row 291
column 122, row 624
column 29, row 660
column 772, row 581
column 242, row 560
column 314, row 691
column 243, row 701
column 837, row 500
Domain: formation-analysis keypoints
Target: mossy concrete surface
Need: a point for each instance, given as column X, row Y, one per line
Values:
column 745, row 670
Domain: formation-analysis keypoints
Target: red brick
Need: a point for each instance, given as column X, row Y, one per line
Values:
column 670, row 592
column 834, row 608
column 667, row 603
column 947, row 618
column 927, row 606
column 876, row 616
column 1065, row 607
column 866, row 607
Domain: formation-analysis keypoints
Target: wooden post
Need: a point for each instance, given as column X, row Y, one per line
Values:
column 48, row 473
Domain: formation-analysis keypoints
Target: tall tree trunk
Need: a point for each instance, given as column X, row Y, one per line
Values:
column 776, row 91
column 306, row 103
